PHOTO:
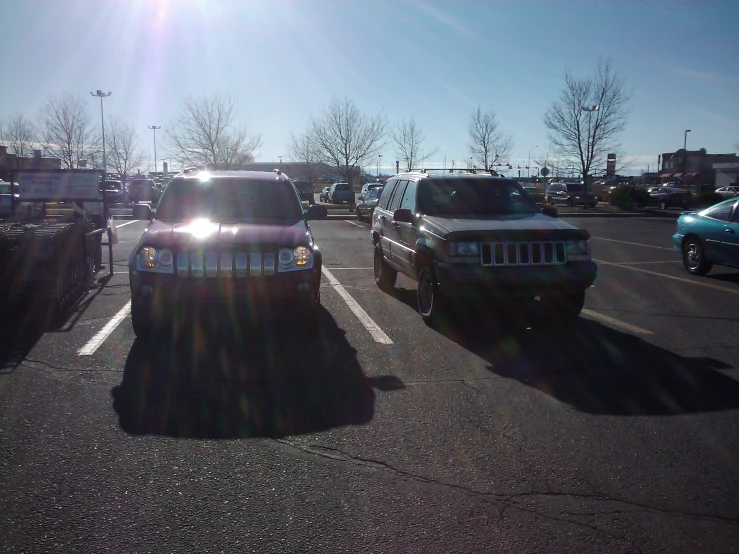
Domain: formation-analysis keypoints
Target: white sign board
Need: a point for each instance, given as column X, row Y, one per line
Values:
column 58, row 185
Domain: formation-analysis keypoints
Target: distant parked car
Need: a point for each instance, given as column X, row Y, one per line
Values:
column 728, row 192
column 341, row 192
column 367, row 186
column 667, row 197
column 116, row 192
column 305, row 191
column 568, row 193
column 709, row 237
column 323, row 196
column 367, row 203
column 143, row 190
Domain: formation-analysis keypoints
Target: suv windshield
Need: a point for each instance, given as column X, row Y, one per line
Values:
column 229, row 199
column 343, row 187
column 474, row 197
column 372, row 193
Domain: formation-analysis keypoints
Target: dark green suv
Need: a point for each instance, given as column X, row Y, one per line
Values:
column 480, row 236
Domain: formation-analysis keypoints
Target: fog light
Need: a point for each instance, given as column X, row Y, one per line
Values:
column 147, row 290
column 303, row 288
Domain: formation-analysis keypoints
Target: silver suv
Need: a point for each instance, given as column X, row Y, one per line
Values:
column 341, row 193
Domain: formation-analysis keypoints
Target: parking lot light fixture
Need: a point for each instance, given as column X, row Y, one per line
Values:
column 685, row 154
column 154, row 128
column 102, row 95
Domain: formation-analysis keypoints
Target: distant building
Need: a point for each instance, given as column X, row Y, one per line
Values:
column 11, row 163
column 726, row 174
column 697, row 164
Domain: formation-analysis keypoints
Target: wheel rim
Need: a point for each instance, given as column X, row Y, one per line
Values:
column 693, row 256
column 425, row 293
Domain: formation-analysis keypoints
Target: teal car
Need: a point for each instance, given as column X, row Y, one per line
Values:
column 709, row 237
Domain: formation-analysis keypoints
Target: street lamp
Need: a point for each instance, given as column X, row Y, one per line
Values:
column 685, row 154
column 154, row 128
column 528, row 167
column 280, row 162
column 379, row 162
column 102, row 95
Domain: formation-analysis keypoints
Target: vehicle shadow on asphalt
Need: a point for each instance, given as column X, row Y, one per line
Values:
column 226, row 379
column 591, row 367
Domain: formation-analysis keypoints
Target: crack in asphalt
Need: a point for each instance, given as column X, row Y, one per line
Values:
column 509, row 500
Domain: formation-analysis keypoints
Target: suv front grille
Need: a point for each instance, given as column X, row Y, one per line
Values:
column 225, row 264
column 523, row 253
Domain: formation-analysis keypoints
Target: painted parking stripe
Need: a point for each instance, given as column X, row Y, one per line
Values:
column 355, row 224
column 635, row 243
column 118, row 226
column 95, row 342
column 369, row 324
column 603, row 318
column 665, row 275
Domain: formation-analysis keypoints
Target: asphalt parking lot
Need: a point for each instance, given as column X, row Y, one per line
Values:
column 499, row 433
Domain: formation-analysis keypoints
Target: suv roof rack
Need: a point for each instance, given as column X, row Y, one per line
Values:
column 473, row 171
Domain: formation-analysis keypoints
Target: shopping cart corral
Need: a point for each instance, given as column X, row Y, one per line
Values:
column 52, row 258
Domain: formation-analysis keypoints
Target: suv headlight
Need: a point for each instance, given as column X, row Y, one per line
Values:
column 578, row 250
column 155, row 261
column 464, row 249
column 300, row 257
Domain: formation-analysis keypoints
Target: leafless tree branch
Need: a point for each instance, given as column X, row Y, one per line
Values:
column 19, row 134
column 207, row 133
column 488, row 144
column 66, row 129
column 123, row 153
column 581, row 135
column 408, row 138
column 345, row 137
column 303, row 149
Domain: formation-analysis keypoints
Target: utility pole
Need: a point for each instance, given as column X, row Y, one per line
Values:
column 154, row 128
column 685, row 154
column 102, row 95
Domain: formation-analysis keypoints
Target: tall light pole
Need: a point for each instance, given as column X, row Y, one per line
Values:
column 280, row 162
column 154, row 128
column 685, row 154
column 379, row 162
column 528, row 167
column 102, row 95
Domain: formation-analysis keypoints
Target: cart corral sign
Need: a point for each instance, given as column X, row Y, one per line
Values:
column 59, row 186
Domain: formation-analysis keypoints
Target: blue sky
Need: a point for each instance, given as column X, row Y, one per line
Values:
column 284, row 60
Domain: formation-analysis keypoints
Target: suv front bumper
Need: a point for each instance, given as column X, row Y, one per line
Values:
column 466, row 280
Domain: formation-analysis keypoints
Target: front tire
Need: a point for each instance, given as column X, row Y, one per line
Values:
column 142, row 326
column 385, row 276
column 570, row 203
column 694, row 257
column 432, row 305
column 562, row 308
column 663, row 205
column 359, row 215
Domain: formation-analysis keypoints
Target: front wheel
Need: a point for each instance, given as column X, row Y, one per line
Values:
column 359, row 215
column 142, row 326
column 663, row 205
column 694, row 258
column 562, row 308
column 385, row 276
column 570, row 203
column 432, row 305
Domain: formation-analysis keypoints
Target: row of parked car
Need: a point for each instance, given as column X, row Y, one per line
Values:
column 138, row 190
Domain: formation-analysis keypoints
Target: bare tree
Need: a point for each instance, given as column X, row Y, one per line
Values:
column 488, row 144
column 207, row 132
column 586, row 121
column 408, row 138
column 19, row 134
column 345, row 137
column 66, row 130
column 303, row 149
column 123, row 153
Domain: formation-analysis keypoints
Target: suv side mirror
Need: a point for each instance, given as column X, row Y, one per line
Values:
column 142, row 212
column 316, row 212
column 551, row 211
column 403, row 215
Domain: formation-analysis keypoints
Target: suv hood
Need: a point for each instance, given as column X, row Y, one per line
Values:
column 536, row 226
column 202, row 232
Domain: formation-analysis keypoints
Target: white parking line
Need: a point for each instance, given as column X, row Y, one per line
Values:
column 95, row 342
column 635, row 244
column 369, row 324
column 355, row 224
column 681, row 279
column 124, row 224
column 354, row 268
column 615, row 322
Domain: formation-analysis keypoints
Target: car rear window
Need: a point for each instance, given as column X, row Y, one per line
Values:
column 230, row 199
column 343, row 187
